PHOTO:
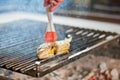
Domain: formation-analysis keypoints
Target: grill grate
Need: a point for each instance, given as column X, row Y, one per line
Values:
column 18, row 48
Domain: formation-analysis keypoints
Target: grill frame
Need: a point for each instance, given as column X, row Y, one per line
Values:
column 61, row 60
column 91, row 50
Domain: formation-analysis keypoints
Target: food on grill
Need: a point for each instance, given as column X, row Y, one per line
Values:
column 48, row 50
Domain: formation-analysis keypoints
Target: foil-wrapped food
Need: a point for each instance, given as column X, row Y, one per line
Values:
column 48, row 50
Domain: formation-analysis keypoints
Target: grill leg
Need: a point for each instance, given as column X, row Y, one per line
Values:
column 37, row 68
column 118, row 41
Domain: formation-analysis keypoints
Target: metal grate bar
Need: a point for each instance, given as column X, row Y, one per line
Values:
column 18, row 53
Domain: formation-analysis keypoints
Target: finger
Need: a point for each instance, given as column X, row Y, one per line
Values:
column 53, row 3
column 50, row 2
column 46, row 3
column 59, row 1
column 53, row 8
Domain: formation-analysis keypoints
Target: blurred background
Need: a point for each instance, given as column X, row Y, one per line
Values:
column 102, row 10
column 36, row 6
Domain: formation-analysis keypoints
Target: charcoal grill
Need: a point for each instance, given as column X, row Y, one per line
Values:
column 18, row 45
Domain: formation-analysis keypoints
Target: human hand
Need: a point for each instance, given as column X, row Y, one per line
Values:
column 53, row 4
